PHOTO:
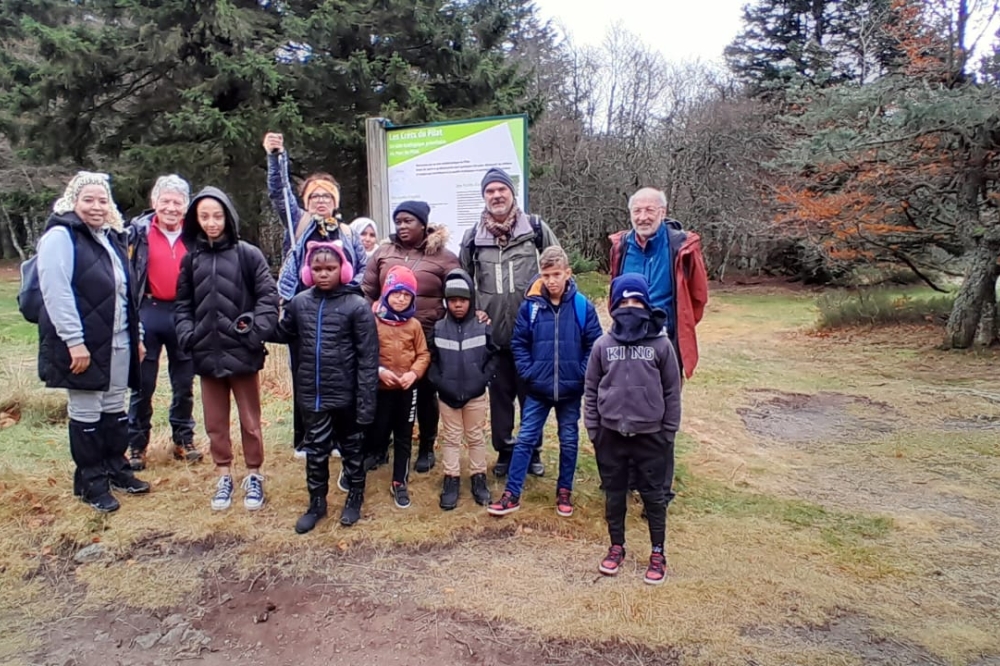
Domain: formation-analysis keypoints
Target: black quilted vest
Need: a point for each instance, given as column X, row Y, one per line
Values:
column 94, row 288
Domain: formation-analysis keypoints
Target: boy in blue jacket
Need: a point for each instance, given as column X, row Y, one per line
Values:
column 555, row 330
column 633, row 411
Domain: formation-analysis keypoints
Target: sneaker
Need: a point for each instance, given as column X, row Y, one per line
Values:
column 503, row 464
column 253, row 486
column 188, row 452
column 223, row 493
column 656, row 572
column 400, row 495
column 480, row 490
column 535, row 467
column 104, row 503
column 315, row 512
column 300, row 454
column 425, row 462
column 507, row 503
column 564, row 502
column 612, row 562
column 449, row 493
column 352, row 507
column 336, row 454
column 130, row 484
column 342, row 482
column 136, row 459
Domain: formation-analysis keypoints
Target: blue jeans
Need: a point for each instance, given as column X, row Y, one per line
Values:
column 536, row 411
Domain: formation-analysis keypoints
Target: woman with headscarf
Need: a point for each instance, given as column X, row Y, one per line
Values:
column 421, row 247
column 89, row 338
column 365, row 229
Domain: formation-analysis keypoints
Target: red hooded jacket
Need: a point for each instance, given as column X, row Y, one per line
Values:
column 690, row 287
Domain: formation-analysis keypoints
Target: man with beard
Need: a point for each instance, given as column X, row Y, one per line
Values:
column 501, row 254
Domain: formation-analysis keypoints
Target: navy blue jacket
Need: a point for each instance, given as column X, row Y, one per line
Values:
column 550, row 347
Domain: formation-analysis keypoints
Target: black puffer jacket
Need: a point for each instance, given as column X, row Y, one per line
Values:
column 218, row 282
column 463, row 356
column 334, row 334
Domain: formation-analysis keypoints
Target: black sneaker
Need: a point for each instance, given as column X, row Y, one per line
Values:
column 187, row 451
column 315, row 512
column 342, row 482
column 425, row 462
column 400, row 496
column 535, row 467
column 352, row 507
column 449, row 493
column 104, row 503
column 136, row 459
column 131, row 485
column 503, row 464
column 480, row 490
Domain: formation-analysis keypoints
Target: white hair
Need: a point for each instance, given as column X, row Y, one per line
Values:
column 170, row 183
column 661, row 197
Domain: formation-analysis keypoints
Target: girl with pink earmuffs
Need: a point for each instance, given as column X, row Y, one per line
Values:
column 332, row 329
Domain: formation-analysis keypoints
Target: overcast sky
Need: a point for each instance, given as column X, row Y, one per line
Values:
column 680, row 29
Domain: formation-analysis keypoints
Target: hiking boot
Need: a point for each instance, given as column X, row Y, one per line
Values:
column 400, row 495
column 449, row 493
column 342, row 482
column 612, row 562
column 564, row 502
column 480, row 490
column 352, row 507
column 535, row 467
column 104, row 503
column 223, row 493
column 187, row 452
column 656, row 572
column 503, row 464
column 129, row 484
column 136, row 459
column 508, row 503
column 315, row 512
column 425, row 462
column 253, row 487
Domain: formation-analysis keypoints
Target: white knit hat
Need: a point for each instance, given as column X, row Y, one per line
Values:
column 67, row 202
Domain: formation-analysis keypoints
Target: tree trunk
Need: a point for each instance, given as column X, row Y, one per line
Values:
column 986, row 334
column 978, row 286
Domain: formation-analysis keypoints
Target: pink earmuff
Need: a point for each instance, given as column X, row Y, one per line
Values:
column 346, row 270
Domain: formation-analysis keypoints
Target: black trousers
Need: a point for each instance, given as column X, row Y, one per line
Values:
column 651, row 456
column 324, row 431
column 504, row 389
column 427, row 413
column 158, row 323
column 394, row 411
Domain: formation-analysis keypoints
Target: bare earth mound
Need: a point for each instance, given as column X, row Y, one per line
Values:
column 799, row 418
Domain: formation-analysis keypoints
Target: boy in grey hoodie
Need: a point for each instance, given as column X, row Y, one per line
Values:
column 632, row 413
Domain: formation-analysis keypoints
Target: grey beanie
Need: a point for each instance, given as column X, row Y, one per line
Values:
column 497, row 175
column 456, row 287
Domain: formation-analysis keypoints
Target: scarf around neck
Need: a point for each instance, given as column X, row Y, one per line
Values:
column 501, row 230
column 391, row 317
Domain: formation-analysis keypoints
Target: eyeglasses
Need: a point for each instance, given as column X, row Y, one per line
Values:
column 647, row 211
column 321, row 197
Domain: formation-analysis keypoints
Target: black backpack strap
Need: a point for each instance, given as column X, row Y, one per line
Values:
column 536, row 227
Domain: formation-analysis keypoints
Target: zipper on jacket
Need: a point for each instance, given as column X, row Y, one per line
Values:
column 555, row 384
column 215, row 299
column 319, row 345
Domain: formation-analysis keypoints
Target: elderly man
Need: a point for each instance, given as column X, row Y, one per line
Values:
column 155, row 251
column 501, row 254
column 670, row 259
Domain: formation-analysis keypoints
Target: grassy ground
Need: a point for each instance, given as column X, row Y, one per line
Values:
column 834, row 550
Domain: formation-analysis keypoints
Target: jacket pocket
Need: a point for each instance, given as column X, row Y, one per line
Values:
column 617, row 402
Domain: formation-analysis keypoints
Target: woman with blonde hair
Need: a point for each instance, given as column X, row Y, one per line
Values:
column 89, row 337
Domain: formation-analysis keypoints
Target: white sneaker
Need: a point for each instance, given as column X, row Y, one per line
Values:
column 223, row 493
column 336, row 454
column 253, row 486
column 300, row 454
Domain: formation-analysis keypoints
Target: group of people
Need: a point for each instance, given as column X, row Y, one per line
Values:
column 380, row 335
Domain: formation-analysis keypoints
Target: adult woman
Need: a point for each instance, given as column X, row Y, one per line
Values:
column 89, row 341
column 364, row 228
column 421, row 247
column 317, row 223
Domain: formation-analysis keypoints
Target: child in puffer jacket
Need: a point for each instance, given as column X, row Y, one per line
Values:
column 333, row 332
column 403, row 359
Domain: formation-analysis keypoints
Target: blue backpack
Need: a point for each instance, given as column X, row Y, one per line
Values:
column 579, row 306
